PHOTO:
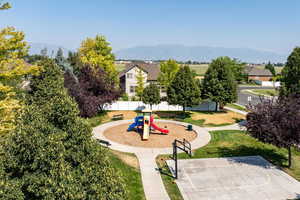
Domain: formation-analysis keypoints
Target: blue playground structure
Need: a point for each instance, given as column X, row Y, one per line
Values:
column 138, row 121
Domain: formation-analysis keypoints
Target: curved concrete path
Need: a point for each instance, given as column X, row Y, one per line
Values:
column 153, row 186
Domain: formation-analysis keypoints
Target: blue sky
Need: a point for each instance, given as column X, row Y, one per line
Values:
column 260, row 24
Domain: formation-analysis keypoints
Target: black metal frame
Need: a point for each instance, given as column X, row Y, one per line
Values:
column 185, row 146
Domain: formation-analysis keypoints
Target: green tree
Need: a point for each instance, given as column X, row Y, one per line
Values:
column 52, row 151
column 74, row 60
column 238, row 69
column 151, row 95
column 13, row 72
column 59, row 56
column 219, row 84
column 290, row 79
column 140, row 79
column 271, row 68
column 4, row 6
column 168, row 70
column 184, row 90
column 97, row 52
column 44, row 52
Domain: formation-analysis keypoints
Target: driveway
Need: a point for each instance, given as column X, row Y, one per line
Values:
column 243, row 97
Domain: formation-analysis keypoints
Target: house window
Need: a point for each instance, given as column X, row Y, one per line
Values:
column 129, row 75
column 132, row 89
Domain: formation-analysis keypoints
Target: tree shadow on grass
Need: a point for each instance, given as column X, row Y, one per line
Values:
column 163, row 168
column 211, row 112
column 243, row 150
column 173, row 114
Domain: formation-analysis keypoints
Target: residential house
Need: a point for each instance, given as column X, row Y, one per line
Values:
column 128, row 81
column 257, row 74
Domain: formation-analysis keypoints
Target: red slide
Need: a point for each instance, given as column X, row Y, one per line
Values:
column 165, row 131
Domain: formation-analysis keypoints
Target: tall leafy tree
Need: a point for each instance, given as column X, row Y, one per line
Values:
column 97, row 52
column 168, row 70
column 290, row 79
column 91, row 90
column 52, row 153
column 44, row 52
column 74, row 60
column 4, row 6
column 184, row 90
column 13, row 72
column 151, row 95
column 140, row 80
column 59, row 56
column 237, row 68
column 276, row 122
column 271, row 68
column 219, row 84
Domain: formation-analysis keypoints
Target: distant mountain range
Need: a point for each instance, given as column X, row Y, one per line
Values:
column 177, row 52
column 197, row 53
column 35, row 48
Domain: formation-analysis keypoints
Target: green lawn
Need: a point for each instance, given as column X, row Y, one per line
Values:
column 268, row 92
column 233, row 143
column 132, row 177
column 98, row 119
column 232, row 105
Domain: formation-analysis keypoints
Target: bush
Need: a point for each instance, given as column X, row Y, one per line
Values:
column 125, row 97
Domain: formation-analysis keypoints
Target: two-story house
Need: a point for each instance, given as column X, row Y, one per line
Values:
column 128, row 80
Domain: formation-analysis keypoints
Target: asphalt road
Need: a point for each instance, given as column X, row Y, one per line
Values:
column 246, row 98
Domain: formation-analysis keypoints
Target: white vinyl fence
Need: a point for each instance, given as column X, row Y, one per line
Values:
column 163, row 106
column 268, row 83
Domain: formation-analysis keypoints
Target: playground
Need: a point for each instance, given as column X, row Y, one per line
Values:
column 156, row 138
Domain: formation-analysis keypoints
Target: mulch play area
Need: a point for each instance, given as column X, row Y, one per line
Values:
column 120, row 135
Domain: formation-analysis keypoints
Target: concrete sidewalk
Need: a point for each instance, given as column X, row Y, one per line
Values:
column 153, row 185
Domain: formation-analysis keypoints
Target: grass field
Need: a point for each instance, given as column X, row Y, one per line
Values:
column 231, row 105
column 199, row 69
column 277, row 69
column 268, row 92
column 132, row 176
column 229, row 144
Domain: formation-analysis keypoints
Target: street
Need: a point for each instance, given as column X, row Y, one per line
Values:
column 245, row 98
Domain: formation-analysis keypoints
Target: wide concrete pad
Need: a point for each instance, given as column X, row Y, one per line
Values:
column 246, row 178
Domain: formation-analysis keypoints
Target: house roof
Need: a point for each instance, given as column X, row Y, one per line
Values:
column 151, row 69
column 253, row 71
